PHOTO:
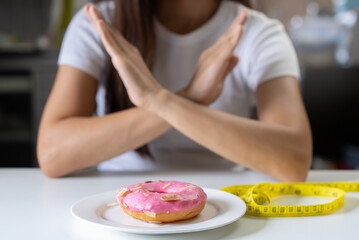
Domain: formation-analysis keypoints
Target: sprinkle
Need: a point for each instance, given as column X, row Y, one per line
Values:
column 122, row 191
column 124, row 205
column 137, row 191
column 166, row 186
column 148, row 182
column 146, row 194
column 160, row 181
column 170, row 197
column 150, row 214
column 190, row 186
column 137, row 187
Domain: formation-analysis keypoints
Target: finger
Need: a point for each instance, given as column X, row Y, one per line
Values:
column 232, row 40
column 235, row 31
column 236, row 36
column 87, row 11
column 108, row 40
column 243, row 16
column 240, row 20
column 232, row 63
column 95, row 15
column 236, row 22
column 90, row 16
column 116, row 53
column 225, row 49
column 125, row 45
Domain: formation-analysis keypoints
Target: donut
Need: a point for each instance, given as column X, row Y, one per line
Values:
column 162, row 201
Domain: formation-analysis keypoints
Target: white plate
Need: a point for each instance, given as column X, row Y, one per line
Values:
column 222, row 208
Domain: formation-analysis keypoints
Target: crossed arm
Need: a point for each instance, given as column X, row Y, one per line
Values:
column 279, row 144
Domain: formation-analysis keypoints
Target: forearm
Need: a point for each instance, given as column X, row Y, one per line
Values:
column 79, row 142
column 276, row 150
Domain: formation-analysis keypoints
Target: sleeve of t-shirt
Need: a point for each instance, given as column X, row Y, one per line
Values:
column 272, row 54
column 82, row 47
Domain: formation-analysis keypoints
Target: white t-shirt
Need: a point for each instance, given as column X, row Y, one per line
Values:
column 265, row 53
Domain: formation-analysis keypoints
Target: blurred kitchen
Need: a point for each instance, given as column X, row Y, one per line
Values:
column 324, row 32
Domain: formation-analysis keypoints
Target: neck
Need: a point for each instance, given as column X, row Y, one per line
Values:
column 184, row 16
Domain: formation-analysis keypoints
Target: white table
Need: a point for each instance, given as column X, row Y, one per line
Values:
column 35, row 207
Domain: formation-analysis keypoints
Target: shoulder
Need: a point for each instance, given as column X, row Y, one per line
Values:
column 261, row 34
column 106, row 8
column 258, row 24
column 265, row 49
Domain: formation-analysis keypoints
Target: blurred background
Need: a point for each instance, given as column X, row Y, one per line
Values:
column 324, row 32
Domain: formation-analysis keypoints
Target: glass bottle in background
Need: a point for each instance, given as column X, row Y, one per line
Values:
column 61, row 15
column 315, row 37
column 347, row 16
column 65, row 20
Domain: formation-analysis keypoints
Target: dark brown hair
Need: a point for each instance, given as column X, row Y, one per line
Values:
column 134, row 19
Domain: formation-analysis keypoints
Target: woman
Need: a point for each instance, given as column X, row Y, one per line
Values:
column 192, row 108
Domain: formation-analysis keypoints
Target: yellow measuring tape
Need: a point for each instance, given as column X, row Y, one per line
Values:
column 256, row 195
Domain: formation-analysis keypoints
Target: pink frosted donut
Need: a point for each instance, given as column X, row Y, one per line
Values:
column 162, row 201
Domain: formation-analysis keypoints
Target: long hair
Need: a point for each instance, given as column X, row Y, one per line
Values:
column 134, row 19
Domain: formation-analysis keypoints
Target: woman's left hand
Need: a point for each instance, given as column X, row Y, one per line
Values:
column 215, row 64
column 137, row 78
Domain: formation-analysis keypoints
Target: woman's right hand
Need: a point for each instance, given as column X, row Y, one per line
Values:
column 215, row 64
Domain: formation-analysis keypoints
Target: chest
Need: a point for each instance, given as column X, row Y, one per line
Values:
column 174, row 67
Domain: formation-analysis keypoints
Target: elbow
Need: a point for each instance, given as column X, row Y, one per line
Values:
column 295, row 177
column 300, row 161
column 299, row 170
column 48, row 172
column 47, row 167
column 48, row 162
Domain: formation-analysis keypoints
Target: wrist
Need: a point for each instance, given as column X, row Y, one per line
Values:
column 158, row 101
column 188, row 94
column 184, row 93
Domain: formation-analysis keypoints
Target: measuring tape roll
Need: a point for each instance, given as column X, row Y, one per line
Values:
column 256, row 195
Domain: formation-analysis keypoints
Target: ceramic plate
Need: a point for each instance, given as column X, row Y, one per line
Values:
column 222, row 208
